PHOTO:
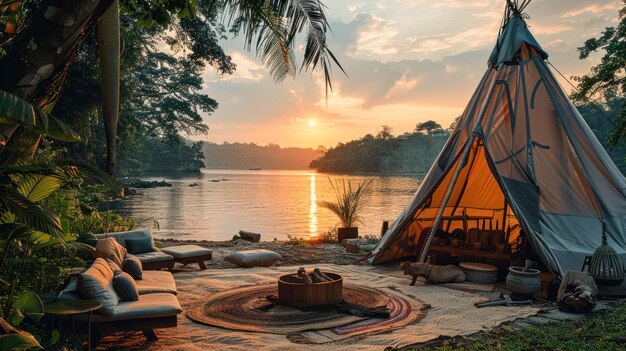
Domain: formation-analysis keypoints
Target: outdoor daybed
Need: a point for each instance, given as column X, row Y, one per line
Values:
column 156, row 307
column 140, row 243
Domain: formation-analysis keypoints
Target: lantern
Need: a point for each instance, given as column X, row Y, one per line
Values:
column 606, row 266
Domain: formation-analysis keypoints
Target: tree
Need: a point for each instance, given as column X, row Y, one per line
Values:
column 385, row 133
column 321, row 150
column 606, row 81
column 38, row 57
column 454, row 123
column 428, row 127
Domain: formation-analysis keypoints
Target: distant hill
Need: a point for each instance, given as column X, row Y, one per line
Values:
column 251, row 155
column 408, row 153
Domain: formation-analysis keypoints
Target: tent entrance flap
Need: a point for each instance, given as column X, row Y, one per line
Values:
column 475, row 202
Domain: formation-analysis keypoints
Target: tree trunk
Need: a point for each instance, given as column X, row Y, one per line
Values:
column 108, row 30
column 38, row 60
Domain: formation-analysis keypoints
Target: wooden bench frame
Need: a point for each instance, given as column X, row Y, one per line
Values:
column 199, row 259
column 144, row 325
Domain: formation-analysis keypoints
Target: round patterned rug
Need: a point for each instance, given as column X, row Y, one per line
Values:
column 247, row 309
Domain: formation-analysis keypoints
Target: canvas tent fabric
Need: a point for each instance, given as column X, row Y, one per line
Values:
column 521, row 155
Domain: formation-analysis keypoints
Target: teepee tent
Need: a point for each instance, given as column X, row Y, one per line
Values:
column 522, row 159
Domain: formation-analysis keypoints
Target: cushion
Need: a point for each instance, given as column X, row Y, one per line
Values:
column 96, row 283
column 132, row 265
column 139, row 245
column 186, row 251
column 113, row 265
column 148, row 306
column 108, row 248
column 121, row 237
column 125, row 286
column 253, row 258
column 154, row 256
column 156, row 282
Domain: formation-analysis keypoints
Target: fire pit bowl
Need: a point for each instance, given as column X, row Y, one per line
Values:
column 293, row 292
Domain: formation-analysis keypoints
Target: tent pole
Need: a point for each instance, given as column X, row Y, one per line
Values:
column 457, row 171
column 446, row 198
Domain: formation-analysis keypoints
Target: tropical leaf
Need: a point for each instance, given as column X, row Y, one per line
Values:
column 19, row 341
column 12, row 231
column 14, row 110
column 37, row 187
column 28, row 304
column 29, row 213
column 65, row 172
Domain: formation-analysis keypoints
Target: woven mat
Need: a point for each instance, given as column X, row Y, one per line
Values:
column 404, row 310
column 241, row 309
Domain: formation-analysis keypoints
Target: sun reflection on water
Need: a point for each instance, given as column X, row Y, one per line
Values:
column 313, row 208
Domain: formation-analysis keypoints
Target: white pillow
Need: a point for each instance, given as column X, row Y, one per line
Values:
column 253, row 258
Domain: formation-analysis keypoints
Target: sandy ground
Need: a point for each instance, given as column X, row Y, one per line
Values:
column 301, row 254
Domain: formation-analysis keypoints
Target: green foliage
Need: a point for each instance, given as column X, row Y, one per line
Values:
column 79, row 215
column 385, row 133
column 14, row 110
column 251, row 155
column 271, row 28
column 428, row 127
column 160, row 95
column 412, row 154
column 349, row 201
column 603, row 331
column 606, row 81
column 36, row 248
column 328, row 237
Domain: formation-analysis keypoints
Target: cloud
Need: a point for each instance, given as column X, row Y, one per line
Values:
column 593, row 9
column 248, row 70
column 549, row 29
column 402, row 86
column 354, row 7
column 409, row 62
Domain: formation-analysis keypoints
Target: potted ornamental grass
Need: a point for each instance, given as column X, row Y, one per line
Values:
column 348, row 205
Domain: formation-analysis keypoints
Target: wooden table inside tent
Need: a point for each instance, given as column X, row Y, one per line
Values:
column 464, row 218
column 500, row 256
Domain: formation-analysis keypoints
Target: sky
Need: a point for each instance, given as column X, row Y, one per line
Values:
column 407, row 61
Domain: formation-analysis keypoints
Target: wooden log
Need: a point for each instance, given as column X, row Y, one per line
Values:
column 318, row 271
column 317, row 278
column 577, row 292
column 249, row 236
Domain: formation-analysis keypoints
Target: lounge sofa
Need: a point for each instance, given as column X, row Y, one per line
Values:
column 150, row 260
column 157, row 306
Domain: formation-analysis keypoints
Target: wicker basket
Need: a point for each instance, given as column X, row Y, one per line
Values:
column 298, row 294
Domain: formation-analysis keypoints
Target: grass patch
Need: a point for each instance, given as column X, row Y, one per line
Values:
column 604, row 330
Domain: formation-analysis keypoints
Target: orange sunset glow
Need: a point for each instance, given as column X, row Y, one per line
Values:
column 406, row 62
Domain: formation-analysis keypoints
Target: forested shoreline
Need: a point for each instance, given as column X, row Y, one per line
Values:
column 251, row 155
column 415, row 152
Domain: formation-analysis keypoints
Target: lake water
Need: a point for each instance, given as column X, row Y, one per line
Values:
column 273, row 203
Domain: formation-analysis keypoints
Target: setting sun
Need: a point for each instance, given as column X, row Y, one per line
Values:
column 312, row 123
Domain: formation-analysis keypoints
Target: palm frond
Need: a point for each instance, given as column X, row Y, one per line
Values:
column 348, row 203
column 14, row 110
column 65, row 172
column 25, row 211
column 271, row 26
column 94, row 175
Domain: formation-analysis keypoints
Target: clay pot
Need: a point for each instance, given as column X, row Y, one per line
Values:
column 525, row 283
